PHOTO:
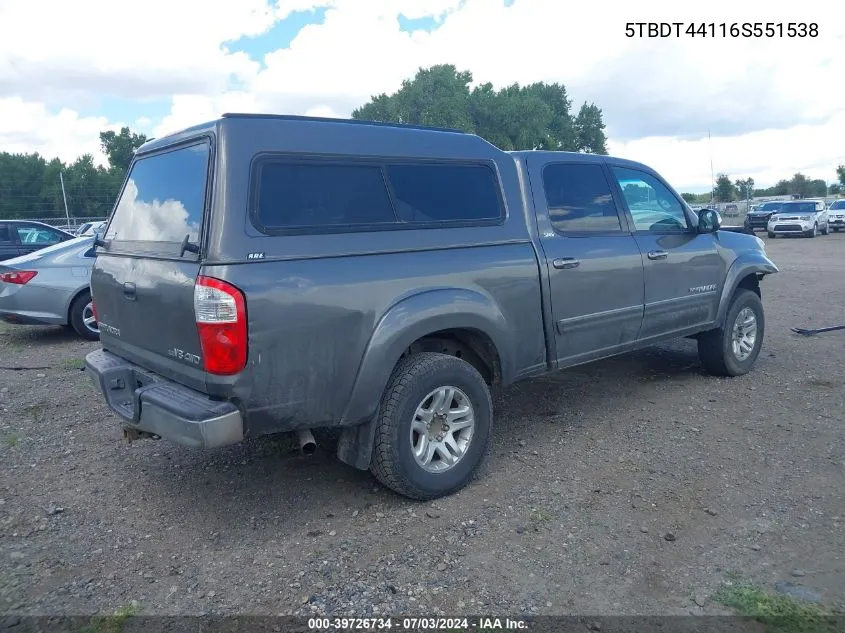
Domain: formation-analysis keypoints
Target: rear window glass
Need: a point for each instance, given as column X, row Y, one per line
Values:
column 5, row 235
column 445, row 193
column 164, row 198
column 317, row 194
column 322, row 195
column 579, row 199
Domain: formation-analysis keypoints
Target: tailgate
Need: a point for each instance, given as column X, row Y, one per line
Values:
column 143, row 279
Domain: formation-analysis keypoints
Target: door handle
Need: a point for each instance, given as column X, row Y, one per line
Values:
column 129, row 291
column 566, row 262
column 658, row 254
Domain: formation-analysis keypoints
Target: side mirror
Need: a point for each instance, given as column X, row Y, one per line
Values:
column 709, row 221
column 98, row 238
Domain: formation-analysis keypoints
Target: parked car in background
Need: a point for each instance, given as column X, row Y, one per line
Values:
column 20, row 237
column 89, row 228
column 758, row 217
column 50, row 287
column 799, row 217
column 836, row 215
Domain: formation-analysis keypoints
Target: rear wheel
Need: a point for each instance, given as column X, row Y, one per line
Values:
column 732, row 349
column 82, row 318
column 433, row 428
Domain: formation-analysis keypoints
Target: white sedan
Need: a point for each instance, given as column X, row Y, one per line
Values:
column 799, row 217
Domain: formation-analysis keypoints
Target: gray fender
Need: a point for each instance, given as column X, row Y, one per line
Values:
column 744, row 265
column 405, row 322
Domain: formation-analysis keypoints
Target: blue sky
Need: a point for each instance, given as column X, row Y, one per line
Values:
column 60, row 87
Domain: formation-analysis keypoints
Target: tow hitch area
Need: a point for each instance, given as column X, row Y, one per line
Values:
column 131, row 435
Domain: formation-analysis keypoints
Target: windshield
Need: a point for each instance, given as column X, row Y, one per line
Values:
column 770, row 206
column 798, row 207
column 163, row 199
column 839, row 204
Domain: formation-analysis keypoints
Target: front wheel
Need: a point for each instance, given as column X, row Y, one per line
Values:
column 771, row 235
column 433, row 428
column 814, row 232
column 826, row 229
column 732, row 349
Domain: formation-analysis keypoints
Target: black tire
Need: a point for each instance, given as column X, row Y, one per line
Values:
column 826, row 230
column 814, row 231
column 771, row 235
column 415, row 376
column 715, row 348
column 835, row 230
column 77, row 315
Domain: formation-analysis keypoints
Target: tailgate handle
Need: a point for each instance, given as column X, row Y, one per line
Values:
column 129, row 290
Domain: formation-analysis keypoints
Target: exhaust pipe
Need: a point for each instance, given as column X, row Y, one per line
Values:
column 307, row 443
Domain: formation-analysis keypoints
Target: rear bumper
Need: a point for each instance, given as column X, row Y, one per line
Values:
column 148, row 402
column 26, row 305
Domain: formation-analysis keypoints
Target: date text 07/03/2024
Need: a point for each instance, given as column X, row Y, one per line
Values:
column 722, row 29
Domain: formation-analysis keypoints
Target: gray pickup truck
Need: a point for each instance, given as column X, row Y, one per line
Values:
column 263, row 273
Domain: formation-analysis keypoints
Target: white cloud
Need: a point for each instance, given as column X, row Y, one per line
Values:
column 766, row 155
column 31, row 127
column 774, row 105
column 120, row 48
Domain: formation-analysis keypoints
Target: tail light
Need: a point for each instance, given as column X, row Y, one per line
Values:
column 19, row 277
column 220, row 312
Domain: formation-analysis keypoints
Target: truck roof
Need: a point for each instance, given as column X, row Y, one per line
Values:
column 581, row 157
column 450, row 141
column 388, row 139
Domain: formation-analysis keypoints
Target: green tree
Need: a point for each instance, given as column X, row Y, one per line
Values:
column 589, row 130
column 798, row 186
column 690, row 198
column 436, row 96
column 536, row 116
column 835, row 189
column 817, row 188
column 725, row 190
column 745, row 188
column 840, row 173
column 119, row 147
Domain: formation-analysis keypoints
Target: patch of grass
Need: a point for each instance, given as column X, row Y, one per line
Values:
column 281, row 444
column 74, row 363
column 779, row 613
column 12, row 439
column 111, row 623
column 538, row 518
column 36, row 411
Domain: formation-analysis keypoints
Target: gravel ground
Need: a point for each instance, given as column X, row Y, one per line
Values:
column 631, row 486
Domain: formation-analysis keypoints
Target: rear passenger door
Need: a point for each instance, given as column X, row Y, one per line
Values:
column 8, row 242
column 683, row 269
column 594, row 265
